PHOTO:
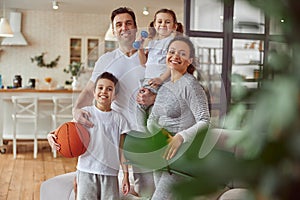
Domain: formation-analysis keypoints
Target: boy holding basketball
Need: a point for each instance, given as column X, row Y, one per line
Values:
column 97, row 168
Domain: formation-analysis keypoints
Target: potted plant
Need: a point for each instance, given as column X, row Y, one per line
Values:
column 75, row 69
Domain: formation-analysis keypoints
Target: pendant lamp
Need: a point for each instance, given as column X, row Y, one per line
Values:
column 109, row 36
column 5, row 29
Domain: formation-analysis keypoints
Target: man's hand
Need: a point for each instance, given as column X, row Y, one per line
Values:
column 82, row 117
column 145, row 97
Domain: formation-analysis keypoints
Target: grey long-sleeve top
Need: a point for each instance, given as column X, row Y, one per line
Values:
column 181, row 107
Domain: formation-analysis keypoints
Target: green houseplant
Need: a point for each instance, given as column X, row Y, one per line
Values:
column 75, row 69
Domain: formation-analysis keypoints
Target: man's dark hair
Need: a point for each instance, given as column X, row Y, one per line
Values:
column 122, row 10
column 109, row 76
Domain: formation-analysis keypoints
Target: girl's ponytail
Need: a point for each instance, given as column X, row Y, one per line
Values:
column 151, row 30
column 179, row 29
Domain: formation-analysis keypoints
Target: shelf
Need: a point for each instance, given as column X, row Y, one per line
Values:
column 75, row 57
column 252, row 79
column 247, row 64
column 246, row 49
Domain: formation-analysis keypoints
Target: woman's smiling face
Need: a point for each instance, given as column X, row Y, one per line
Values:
column 178, row 56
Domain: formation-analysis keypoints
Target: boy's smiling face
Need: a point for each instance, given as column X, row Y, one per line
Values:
column 104, row 94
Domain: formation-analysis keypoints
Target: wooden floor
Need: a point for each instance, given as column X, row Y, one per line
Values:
column 21, row 178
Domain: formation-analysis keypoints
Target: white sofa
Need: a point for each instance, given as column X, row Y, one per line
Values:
column 61, row 187
column 58, row 187
column 234, row 194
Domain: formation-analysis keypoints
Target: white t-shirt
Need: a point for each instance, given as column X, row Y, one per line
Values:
column 129, row 72
column 102, row 155
column 156, row 61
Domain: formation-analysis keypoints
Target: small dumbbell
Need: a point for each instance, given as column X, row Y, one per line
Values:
column 137, row 44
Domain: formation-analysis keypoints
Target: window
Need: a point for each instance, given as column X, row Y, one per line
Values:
column 247, row 19
column 232, row 39
column 206, row 15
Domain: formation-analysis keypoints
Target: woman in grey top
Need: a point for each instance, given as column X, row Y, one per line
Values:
column 181, row 107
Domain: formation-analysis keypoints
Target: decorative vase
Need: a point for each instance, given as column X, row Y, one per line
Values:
column 75, row 83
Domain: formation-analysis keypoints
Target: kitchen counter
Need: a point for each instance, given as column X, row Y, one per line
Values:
column 28, row 90
column 45, row 106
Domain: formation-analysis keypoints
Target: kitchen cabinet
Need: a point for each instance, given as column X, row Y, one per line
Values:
column 84, row 49
column 76, row 50
column 110, row 45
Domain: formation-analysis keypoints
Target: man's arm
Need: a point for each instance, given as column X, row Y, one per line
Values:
column 85, row 98
column 145, row 97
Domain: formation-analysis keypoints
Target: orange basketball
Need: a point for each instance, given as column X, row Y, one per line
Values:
column 73, row 139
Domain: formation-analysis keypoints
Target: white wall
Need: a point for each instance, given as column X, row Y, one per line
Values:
column 49, row 32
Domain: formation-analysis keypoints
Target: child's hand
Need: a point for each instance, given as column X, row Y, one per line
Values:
column 155, row 82
column 139, row 43
column 51, row 137
column 125, row 186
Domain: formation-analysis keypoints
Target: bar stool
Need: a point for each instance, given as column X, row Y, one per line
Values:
column 62, row 112
column 25, row 110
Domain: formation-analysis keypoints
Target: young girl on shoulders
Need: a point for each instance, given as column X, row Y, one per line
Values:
column 161, row 31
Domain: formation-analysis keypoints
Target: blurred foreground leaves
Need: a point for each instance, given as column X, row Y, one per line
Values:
column 270, row 164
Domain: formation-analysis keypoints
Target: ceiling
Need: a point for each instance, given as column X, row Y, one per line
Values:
column 94, row 6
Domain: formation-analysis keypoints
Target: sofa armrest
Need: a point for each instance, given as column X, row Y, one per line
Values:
column 58, row 187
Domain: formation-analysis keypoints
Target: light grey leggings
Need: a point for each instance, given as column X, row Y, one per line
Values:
column 163, row 182
column 143, row 182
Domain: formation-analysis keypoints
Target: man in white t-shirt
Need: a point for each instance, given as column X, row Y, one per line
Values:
column 124, row 64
